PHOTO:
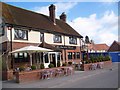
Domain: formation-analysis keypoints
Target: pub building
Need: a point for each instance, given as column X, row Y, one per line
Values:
column 22, row 28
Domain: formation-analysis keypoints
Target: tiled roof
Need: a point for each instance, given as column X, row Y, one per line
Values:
column 115, row 46
column 98, row 47
column 22, row 17
column 101, row 47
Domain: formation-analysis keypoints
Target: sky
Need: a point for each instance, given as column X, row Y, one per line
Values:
column 97, row 20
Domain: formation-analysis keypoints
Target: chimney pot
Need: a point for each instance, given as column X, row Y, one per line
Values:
column 63, row 17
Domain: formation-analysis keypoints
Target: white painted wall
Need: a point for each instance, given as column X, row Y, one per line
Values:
column 48, row 38
column 34, row 37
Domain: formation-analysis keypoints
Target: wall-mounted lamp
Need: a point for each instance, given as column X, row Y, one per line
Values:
column 30, row 30
column 9, row 27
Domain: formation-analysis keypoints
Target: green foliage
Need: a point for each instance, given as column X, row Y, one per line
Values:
column 33, row 67
column 64, row 64
column 70, row 63
column 51, row 65
column 58, row 64
column 88, row 61
column 85, row 57
column 42, row 66
column 107, row 58
column 21, row 68
column 99, row 58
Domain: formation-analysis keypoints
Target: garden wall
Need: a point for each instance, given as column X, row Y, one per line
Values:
column 86, row 67
column 28, row 76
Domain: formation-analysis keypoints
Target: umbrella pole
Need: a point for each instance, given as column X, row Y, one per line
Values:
column 30, row 59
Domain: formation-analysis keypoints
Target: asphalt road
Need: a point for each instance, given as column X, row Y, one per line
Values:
column 101, row 78
column 108, row 79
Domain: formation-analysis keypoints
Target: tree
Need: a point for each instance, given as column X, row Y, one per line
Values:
column 87, row 40
column 91, row 41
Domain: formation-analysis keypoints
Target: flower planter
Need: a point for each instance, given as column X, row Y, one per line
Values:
column 86, row 67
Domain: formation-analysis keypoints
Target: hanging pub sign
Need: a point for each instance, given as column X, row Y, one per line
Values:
column 65, row 47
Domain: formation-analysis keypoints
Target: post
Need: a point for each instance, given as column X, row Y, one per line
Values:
column 30, row 59
column 10, row 28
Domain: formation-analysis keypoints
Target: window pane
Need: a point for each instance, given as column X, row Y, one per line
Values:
column 21, row 34
column 16, row 55
column 25, row 55
column 57, row 39
column 46, row 58
column 72, row 40
column 58, row 57
column 78, row 55
column 69, row 55
column 41, row 37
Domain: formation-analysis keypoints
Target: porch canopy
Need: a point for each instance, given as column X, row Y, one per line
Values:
column 30, row 50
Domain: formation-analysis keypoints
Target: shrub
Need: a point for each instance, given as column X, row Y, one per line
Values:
column 51, row 65
column 33, row 67
column 107, row 58
column 70, row 63
column 64, row 64
column 92, row 58
column 21, row 68
column 42, row 66
column 87, row 62
column 58, row 64
column 95, row 61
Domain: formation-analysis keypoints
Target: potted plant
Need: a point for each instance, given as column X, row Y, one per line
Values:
column 64, row 64
column 33, row 67
column 70, row 63
column 42, row 66
column 21, row 68
column 58, row 64
column 51, row 65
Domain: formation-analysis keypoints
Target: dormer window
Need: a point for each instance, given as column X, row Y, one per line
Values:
column 21, row 34
column 72, row 40
column 57, row 39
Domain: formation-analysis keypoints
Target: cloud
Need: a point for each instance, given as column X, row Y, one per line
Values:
column 101, row 30
column 60, row 7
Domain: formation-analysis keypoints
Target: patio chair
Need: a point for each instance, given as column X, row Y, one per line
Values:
column 101, row 65
column 45, row 74
column 59, row 72
column 52, row 73
column 93, row 66
column 70, row 71
column 90, row 67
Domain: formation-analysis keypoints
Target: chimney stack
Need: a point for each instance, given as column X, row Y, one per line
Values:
column 63, row 17
column 52, row 13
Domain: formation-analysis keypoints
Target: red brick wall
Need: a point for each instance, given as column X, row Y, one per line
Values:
column 29, row 76
column 73, row 60
column 86, row 67
column 17, row 45
column 7, row 75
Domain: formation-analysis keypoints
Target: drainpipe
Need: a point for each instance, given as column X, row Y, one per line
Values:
column 64, row 50
column 10, row 28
